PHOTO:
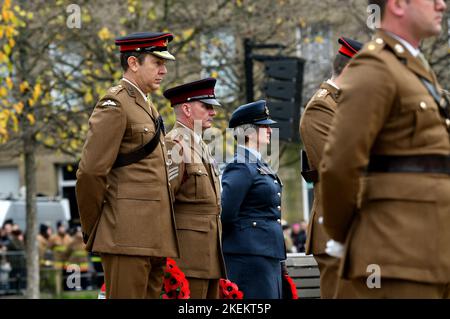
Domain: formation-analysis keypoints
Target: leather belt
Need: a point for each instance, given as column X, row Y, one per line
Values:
column 311, row 176
column 439, row 164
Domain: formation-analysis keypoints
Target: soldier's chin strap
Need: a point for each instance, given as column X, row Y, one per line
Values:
column 143, row 151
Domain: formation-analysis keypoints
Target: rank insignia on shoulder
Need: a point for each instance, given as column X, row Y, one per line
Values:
column 116, row 88
column 109, row 103
column 322, row 93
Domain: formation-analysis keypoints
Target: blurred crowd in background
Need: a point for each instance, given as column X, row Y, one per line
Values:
column 61, row 248
column 61, row 253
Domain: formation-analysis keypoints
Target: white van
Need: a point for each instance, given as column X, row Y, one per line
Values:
column 49, row 211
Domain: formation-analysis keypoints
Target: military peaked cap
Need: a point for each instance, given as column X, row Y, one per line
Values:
column 349, row 47
column 251, row 113
column 202, row 90
column 151, row 42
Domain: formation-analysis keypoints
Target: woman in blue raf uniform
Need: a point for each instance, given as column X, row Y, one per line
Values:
column 252, row 235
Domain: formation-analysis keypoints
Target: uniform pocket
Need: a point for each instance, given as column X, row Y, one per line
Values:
column 400, row 218
column 142, row 133
column 198, row 173
column 194, row 238
column 427, row 119
column 138, row 215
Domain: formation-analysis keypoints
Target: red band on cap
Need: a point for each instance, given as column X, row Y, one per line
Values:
column 143, row 43
column 345, row 51
column 183, row 97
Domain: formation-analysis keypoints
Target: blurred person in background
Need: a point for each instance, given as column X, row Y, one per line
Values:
column 298, row 235
column 77, row 255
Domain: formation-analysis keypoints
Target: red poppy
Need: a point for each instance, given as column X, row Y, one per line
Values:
column 229, row 290
column 236, row 295
column 292, row 286
column 175, row 285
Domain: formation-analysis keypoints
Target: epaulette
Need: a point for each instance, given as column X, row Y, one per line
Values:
column 374, row 46
column 322, row 93
column 116, row 89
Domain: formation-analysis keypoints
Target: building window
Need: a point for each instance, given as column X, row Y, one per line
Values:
column 66, row 180
column 9, row 182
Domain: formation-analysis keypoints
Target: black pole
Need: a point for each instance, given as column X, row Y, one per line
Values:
column 248, row 64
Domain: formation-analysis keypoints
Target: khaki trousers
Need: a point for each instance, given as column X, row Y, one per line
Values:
column 133, row 277
column 203, row 288
column 329, row 276
column 394, row 289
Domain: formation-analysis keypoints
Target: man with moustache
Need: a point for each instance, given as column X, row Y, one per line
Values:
column 385, row 175
column 194, row 178
column 123, row 189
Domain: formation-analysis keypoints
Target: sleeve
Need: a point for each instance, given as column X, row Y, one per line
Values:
column 367, row 96
column 107, row 126
column 176, row 169
column 236, row 181
column 314, row 129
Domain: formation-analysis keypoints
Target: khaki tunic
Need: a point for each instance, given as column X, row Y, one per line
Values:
column 196, row 187
column 314, row 127
column 59, row 245
column 77, row 254
column 398, row 221
column 125, row 210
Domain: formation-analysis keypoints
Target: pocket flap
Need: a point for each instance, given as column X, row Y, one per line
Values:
column 418, row 102
column 192, row 222
column 254, row 223
column 146, row 128
column 141, row 191
column 412, row 187
column 196, row 169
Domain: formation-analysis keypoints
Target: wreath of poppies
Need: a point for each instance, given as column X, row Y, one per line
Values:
column 229, row 290
column 175, row 284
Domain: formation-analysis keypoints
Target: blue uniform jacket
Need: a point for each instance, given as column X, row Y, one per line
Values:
column 251, row 208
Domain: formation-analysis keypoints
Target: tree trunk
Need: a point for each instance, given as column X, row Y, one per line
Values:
column 32, row 250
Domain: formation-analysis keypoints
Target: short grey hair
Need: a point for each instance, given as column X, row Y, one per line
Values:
column 242, row 131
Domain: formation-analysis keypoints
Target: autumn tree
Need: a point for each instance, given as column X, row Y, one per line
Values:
column 42, row 102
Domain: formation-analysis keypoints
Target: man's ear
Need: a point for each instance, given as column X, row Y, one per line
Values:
column 397, row 7
column 132, row 63
column 186, row 109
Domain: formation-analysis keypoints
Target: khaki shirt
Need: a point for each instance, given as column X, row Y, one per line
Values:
column 315, row 124
column 125, row 210
column 194, row 179
column 398, row 221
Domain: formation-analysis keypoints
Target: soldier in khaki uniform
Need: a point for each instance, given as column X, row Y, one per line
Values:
column 194, row 177
column 385, row 180
column 123, row 189
column 314, row 126
column 76, row 254
column 59, row 243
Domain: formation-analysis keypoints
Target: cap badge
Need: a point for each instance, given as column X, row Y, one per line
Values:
column 399, row 48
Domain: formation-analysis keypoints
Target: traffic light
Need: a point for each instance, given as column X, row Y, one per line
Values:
column 283, row 93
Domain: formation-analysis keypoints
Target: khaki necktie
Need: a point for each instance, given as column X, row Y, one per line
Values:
column 424, row 61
